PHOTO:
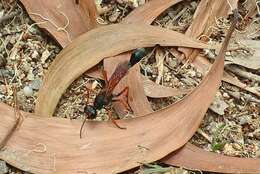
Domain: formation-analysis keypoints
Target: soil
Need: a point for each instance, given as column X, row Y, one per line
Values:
column 231, row 125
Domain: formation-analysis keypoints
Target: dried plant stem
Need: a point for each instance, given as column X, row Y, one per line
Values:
column 7, row 17
column 238, row 71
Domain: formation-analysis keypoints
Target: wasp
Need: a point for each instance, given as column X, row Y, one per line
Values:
column 105, row 97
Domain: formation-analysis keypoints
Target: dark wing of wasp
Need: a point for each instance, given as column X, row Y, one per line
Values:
column 115, row 78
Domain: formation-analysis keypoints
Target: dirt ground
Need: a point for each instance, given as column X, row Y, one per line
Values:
column 232, row 123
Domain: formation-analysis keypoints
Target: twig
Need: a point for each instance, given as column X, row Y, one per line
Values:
column 7, row 17
column 242, row 73
column 206, row 136
column 257, row 7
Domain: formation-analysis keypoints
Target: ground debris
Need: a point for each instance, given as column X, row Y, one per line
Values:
column 3, row 167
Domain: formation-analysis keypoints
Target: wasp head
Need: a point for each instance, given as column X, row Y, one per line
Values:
column 90, row 111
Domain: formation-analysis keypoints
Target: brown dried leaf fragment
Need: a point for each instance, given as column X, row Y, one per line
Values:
column 64, row 20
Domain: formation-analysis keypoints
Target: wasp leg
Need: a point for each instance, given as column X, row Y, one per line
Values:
column 122, row 98
column 124, row 103
column 113, row 120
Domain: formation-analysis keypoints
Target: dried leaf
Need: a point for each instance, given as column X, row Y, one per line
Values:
column 219, row 105
column 154, row 90
column 247, row 60
column 64, row 20
column 92, row 47
column 192, row 157
column 149, row 11
column 204, row 18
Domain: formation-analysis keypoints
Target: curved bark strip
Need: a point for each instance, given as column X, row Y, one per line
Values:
column 61, row 150
column 91, row 47
column 48, row 145
column 64, row 20
column 192, row 157
column 149, row 11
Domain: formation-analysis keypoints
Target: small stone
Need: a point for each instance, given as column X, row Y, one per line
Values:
column 225, row 95
column 237, row 146
column 229, row 150
column 27, row 90
column 6, row 73
column 21, row 99
column 13, row 40
column 228, row 53
column 45, row 55
column 2, row 13
column 198, row 74
column 219, row 105
column 3, row 167
column 114, row 16
column 35, row 54
column 36, row 84
column 3, row 89
column 172, row 63
column 257, row 155
column 30, row 75
column 257, row 134
column 26, row 67
column 244, row 119
column 192, row 73
column 2, row 61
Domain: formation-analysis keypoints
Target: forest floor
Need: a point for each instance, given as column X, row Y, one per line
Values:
column 231, row 125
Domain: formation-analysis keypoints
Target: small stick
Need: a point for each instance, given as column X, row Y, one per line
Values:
column 7, row 17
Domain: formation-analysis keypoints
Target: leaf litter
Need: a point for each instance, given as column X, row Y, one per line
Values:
column 239, row 92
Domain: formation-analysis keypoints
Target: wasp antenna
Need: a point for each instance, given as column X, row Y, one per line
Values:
column 80, row 134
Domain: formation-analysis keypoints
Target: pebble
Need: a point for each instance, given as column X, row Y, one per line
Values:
column 35, row 54
column 28, row 91
column 257, row 134
column 244, row 119
column 257, row 155
column 114, row 16
column 3, row 167
column 45, row 55
column 229, row 150
column 225, row 95
column 36, row 84
column 2, row 13
column 26, row 67
column 172, row 63
column 30, row 75
column 228, row 53
column 198, row 74
column 6, row 73
column 192, row 73
column 2, row 61
column 21, row 97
